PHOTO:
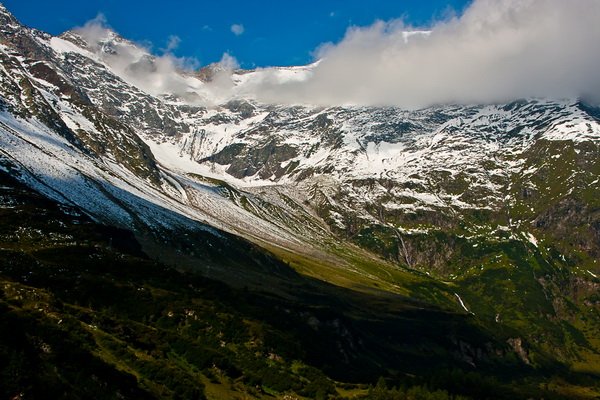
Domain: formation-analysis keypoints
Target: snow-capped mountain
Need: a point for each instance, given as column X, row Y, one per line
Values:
column 458, row 192
column 351, row 165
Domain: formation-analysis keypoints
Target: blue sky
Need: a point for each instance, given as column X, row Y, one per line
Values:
column 267, row 33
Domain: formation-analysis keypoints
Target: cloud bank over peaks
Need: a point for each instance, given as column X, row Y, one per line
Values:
column 155, row 74
column 498, row 50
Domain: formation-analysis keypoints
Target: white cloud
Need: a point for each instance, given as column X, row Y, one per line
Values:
column 221, row 86
column 173, row 43
column 237, row 29
column 94, row 29
column 229, row 62
column 135, row 63
column 498, row 50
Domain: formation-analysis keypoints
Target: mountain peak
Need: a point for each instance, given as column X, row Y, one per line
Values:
column 6, row 17
column 93, row 36
column 105, row 43
column 73, row 37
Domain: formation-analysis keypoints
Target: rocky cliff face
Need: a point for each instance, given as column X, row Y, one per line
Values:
column 497, row 202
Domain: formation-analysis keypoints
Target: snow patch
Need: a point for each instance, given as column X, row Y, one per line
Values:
column 463, row 304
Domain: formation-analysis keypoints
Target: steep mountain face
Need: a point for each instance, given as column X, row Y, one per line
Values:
column 490, row 211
